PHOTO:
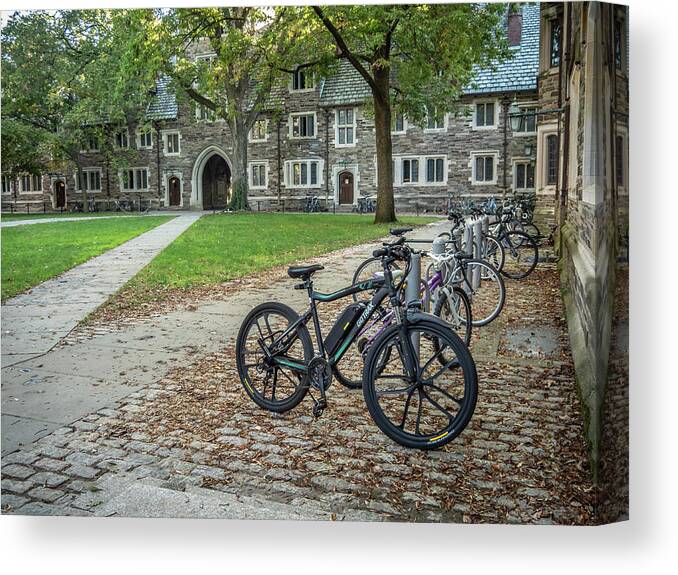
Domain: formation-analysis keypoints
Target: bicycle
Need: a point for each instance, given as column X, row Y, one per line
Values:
column 365, row 206
column 312, row 204
column 397, row 377
column 521, row 252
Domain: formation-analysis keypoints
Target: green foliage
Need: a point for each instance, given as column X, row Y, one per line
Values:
column 34, row 253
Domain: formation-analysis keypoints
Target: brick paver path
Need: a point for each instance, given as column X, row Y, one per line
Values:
column 188, row 442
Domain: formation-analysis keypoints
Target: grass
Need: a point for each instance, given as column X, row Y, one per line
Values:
column 32, row 254
column 8, row 217
column 223, row 247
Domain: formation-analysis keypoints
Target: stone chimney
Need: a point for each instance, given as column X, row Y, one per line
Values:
column 515, row 27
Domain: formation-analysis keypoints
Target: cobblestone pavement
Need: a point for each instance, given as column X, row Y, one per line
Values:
column 190, row 443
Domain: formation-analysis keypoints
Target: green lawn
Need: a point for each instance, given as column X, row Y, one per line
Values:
column 31, row 254
column 226, row 246
column 7, row 217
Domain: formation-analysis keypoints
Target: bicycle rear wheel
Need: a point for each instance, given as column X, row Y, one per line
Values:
column 431, row 408
column 368, row 270
column 272, row 386
column 485, row 288
column 521, row 253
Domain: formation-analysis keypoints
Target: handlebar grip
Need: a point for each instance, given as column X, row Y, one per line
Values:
column 380, row 253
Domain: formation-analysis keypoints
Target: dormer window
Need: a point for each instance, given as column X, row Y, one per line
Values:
column 302, row 80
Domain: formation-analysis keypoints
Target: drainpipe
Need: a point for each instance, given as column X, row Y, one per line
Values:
column 327, row 155
column 279, row 161
column 561, row 191
column 157, row 157
column 505, row 106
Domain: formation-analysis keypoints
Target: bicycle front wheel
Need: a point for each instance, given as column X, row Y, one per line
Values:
column 425, row 406
column 485, row 288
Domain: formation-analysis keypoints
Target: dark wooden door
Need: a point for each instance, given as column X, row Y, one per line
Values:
column 60, row 192
column 216, row 179
column 174, row 192
column 346, row 188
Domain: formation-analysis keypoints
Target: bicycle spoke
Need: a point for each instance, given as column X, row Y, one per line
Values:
column 275, row 382
column 407, row 407
column 447, row 366
column 435, row 404
column 398, row 391
column 417, row 429
column 441, row 390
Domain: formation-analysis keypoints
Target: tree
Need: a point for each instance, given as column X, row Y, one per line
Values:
column 250, row 46
column 57, row 92
column 416, row 60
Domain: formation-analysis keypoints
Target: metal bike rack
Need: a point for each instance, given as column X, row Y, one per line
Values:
column 413, row 291
column 477, row 226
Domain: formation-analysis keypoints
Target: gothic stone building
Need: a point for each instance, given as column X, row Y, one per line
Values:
column 322, row 144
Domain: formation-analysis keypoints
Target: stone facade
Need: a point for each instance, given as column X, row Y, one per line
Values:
column 588, row 85
column 457, row 142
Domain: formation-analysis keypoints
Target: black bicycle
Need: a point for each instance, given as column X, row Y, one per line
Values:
column 521, row 253
column 414, row 397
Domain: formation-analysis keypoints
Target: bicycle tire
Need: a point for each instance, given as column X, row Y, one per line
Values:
column 443, row 304
column 519, row 246
column 485, row 306
column 465, row 368
column 301, row 389
column 357, row 276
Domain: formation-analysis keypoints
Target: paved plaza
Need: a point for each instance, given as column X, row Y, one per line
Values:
column 147, row 417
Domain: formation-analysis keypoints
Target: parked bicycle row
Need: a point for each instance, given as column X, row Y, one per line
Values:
column 403, row 339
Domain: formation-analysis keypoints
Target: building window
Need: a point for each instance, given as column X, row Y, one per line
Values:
column 345, row 134
column 172, row 143
column 144, row 139
column 303, row 173
column 258, row 175
column 91, row 180
column 134, row 179
column 435, row 120
column 619, row 161
column 91, row 143
column 551, row 160
column 6, row 184
column 410, row 170
column 435, row 170
column 528, row 121
column 555, row 42
column 302, row 125
column 485, row 116
column 302, row 80
column 122, row 138
column 618, row 44
column 204, row 114
column 259, row 132
column 31, row 183
column 483, row 168
column 398, row 125
column 523, row 175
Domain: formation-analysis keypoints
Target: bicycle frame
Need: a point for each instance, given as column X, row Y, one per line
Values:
column 385, row 289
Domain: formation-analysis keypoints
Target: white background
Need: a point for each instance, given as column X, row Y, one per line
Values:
column 647, row 543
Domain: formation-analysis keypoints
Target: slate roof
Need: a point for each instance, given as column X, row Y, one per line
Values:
column 345, row 86
column 519, row 72
column 164, row 105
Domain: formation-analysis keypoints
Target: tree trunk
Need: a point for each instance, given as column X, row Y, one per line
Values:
column 382, row 124
column 239, row 183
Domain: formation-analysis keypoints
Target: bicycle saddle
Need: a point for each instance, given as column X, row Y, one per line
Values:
column 304, row 271
column 399, row 231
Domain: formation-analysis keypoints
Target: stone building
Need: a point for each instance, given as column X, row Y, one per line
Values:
column 319, row 140
column 582, row 149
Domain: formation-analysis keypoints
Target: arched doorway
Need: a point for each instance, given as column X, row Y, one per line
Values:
column 216, row 181
column 174, row 185
column 59, row 194
column 346, row 188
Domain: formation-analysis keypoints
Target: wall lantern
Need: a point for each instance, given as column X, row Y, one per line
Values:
column 515, row 116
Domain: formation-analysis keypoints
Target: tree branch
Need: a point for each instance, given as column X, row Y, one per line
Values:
column 344, row 48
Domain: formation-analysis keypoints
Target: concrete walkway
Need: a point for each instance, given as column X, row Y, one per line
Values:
column 27, row 222
column 33, row 322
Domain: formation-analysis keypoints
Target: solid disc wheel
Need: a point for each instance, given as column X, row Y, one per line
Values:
column 521, row 255
column 271, row 386
column 429, row 409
